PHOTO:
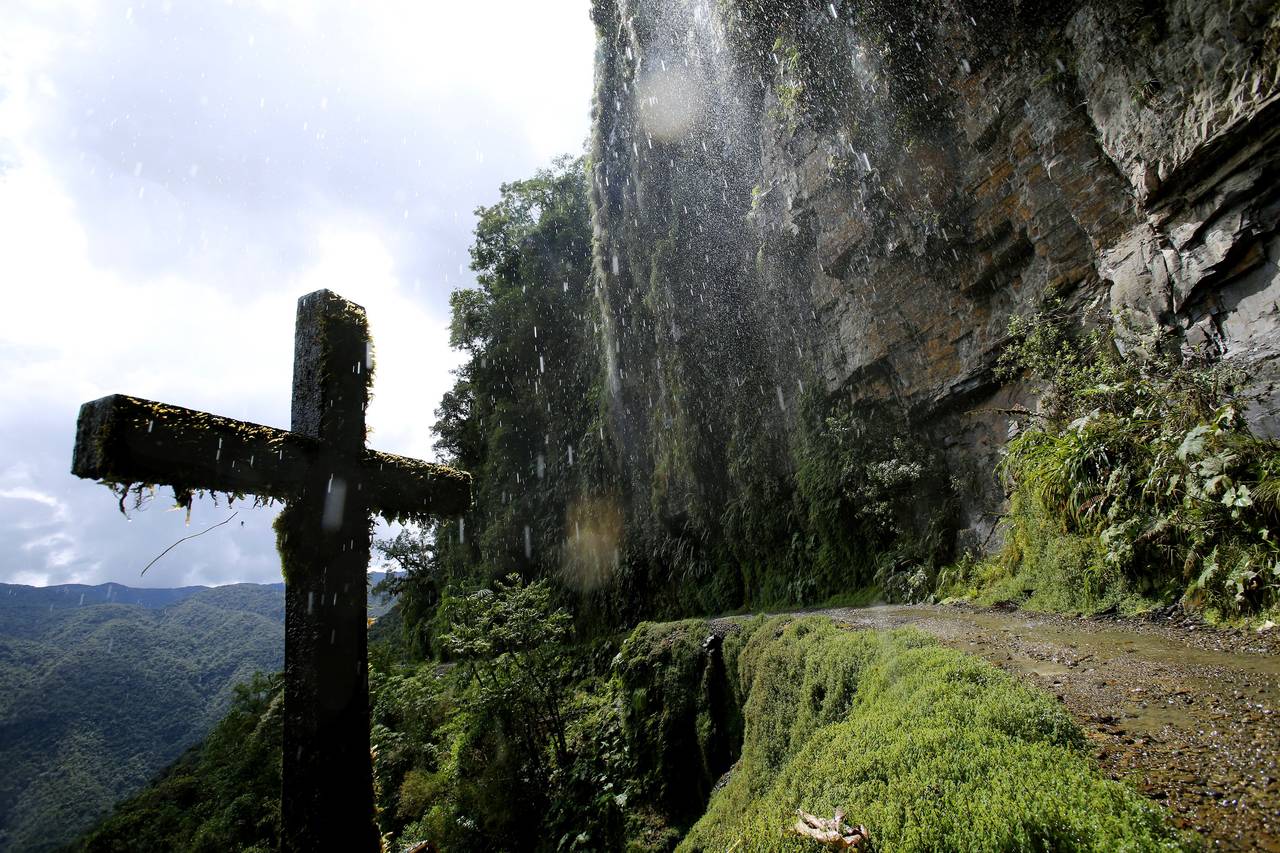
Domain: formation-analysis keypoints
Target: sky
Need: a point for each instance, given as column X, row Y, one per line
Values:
column 174, row 175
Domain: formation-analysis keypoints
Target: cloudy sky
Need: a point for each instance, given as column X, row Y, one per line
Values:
column 173, row 175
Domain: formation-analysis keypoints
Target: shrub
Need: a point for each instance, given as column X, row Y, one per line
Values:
column 1145, row 470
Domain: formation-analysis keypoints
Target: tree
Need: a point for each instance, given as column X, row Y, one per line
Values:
column 522, row 410
column 510, row 641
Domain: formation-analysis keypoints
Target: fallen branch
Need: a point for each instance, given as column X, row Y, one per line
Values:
column 833, row 831
column 1018, row 411
column 422, row 847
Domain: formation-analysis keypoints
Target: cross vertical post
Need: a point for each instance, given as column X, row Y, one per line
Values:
column 323, row 537
column 330, row 483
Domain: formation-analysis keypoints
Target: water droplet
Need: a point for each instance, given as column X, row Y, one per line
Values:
column 334, row 503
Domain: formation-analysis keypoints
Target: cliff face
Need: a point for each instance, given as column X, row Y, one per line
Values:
column 800, row 205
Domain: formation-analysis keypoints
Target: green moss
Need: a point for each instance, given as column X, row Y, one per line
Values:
column 128, row 418
column 680, row 725
column 1043, row 567
column 292, row 557
column 789, row 87
column 450, row 488
column 931, row 749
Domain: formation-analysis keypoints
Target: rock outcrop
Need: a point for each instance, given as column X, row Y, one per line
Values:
column 798, row 202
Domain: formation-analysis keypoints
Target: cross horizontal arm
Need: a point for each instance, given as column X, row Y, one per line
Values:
column 124, row 439
column 401, row 487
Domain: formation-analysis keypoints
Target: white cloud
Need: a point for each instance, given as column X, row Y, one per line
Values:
column 174, row 176
column 58, row 509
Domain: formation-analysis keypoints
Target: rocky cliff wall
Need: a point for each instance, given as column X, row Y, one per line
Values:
column 800, row 204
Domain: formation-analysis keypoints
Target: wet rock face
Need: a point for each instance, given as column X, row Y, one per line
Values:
column 865, row 193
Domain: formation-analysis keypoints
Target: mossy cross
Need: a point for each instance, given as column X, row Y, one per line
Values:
column 330, row 484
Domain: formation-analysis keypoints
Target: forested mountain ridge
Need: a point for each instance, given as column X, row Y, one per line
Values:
column 68, row 595
column 102, row 686
column 96, row 698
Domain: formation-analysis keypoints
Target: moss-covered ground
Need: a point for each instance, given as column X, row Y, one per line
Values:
column 930, row 748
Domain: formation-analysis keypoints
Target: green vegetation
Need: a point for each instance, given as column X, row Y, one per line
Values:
column 223, row 794
column 532, row 744
column 522, row 415
column 1138, row 482
column 929, row 748
column 789, row 87
column 96, row 699
column 513, row 747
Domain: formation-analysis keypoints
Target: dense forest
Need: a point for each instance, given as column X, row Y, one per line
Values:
column 104, row 686
column 96, row 697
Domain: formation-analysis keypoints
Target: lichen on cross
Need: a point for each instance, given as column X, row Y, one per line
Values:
column 330, row 484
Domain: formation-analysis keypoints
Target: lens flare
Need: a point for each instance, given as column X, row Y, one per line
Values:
column 593, row 529
column 670, row 102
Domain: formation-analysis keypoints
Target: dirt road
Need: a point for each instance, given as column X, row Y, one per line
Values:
column 1188, row 714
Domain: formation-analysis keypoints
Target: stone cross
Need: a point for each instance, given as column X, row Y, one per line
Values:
column 330, row 484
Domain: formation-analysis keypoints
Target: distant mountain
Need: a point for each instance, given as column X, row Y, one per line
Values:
column 379, row 604
column 96, row 698
column 103, row 686
column 71, row 595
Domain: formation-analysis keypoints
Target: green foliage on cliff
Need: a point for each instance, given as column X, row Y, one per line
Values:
column 521, row 415
column 514, row 747
column 876, row 503
column 682, row 721
column 1138, row 481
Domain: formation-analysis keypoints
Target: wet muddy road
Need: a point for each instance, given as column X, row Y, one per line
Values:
column 1188, row 714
